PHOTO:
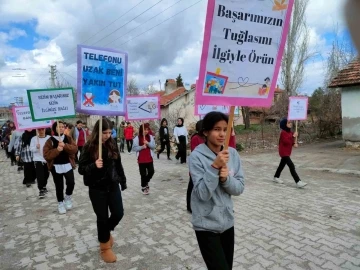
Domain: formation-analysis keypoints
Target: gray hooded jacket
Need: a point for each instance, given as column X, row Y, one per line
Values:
column 211, row 204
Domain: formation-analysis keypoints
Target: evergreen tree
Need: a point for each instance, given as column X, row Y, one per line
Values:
column 179, row 81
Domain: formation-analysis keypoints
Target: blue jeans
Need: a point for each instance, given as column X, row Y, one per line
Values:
column 103, row 201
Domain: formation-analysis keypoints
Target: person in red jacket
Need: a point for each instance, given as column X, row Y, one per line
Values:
column 196, row 139
column 286, row 143
column 129, row 136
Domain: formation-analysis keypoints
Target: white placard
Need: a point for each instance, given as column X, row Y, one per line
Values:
column 205, row 109
column 48, row 104
column 23, row 120
column 298, row 107
column 142, row 107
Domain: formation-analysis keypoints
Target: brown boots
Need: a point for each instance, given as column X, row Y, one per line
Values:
column 106, row 252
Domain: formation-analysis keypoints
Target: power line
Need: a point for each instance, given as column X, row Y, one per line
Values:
column 161, row 22
column 142, row 23
column 105, row 27
column 128, row 22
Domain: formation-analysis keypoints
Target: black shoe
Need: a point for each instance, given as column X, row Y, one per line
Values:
column 42, row 194
column 45, row 190
column 169, row 158
column 158, row 155
column 12, row 163
column 33, row 183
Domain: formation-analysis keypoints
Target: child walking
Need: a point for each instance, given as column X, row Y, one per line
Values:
column 42, row 173
column 144, row 145
column 24, row 154
column 103, row 175
column 181, row 137
column 217, row 175
column 286, row 143
column 59, row 153
column 196, row 139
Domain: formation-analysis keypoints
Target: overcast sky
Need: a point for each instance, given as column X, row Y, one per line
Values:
column 35, row 34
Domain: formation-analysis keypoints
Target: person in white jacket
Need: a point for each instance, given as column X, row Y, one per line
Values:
column 181, row 137
column 144, row 145
column 42, row 172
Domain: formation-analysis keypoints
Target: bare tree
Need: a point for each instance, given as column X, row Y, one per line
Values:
column 297, row 50
column 132, row 88
column 342, row 54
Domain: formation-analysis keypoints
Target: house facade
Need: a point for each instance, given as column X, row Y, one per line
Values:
column 348, row 81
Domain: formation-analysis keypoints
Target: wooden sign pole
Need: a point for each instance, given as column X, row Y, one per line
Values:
column 231, row 120
column 58, row 129
column 100, row 138
column 229, row 129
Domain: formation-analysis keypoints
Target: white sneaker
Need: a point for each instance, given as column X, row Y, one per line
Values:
column 301, row 184
column 277, row 180
column 68, row 202
column 61, row 208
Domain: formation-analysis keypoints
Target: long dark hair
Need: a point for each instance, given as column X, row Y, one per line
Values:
column 182, row 122
column 54, row 127
column 212, row 118
column 110, row 144
column 27, row 136
column 162, row 121
column 199, row 129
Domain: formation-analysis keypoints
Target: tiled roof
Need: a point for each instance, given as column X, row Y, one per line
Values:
column 166, row 99
column 349, row 76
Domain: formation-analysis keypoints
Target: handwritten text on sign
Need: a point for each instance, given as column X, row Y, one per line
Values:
column 47, row 104
column 101, row 81
column 23, row 120
column 142, row 107
column 298, row 107
column 245, row 40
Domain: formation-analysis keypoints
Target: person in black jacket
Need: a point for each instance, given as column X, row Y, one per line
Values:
column 164, row 138
column 103, row 175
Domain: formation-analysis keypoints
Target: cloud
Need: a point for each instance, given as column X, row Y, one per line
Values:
column 171, row 47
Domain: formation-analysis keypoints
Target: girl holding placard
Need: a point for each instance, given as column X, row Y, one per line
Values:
column 103, row 174
column 144, row 146
column 217, row 175
column 59, row 153
column 286, row 143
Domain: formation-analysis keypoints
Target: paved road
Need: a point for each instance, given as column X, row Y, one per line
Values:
column 277, row 226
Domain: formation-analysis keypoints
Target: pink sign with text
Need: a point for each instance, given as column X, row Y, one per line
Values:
column 23, row 120
column 242, row 51
column 142, row 108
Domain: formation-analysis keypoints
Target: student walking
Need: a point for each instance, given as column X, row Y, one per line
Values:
column 59, row 153
column 79, row 135
column 196, row 139
column 42, row 172
column 144, row 145
column 181, row 137
column 217, row 175
column 24, row 154
column 164, row 138
column 15, row 137
column 103, row 175
column 129, row 136
column 121, row 136
column 286, row 143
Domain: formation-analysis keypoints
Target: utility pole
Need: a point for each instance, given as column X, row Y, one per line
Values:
column 52, row 75
column 160, row 84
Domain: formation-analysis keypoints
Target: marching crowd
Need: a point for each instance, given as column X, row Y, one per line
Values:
column 215, row 173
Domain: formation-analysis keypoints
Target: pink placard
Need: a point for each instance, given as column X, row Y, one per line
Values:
column 298, row 108
column 142, row 107
column 23, row 120
column 259, row 95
